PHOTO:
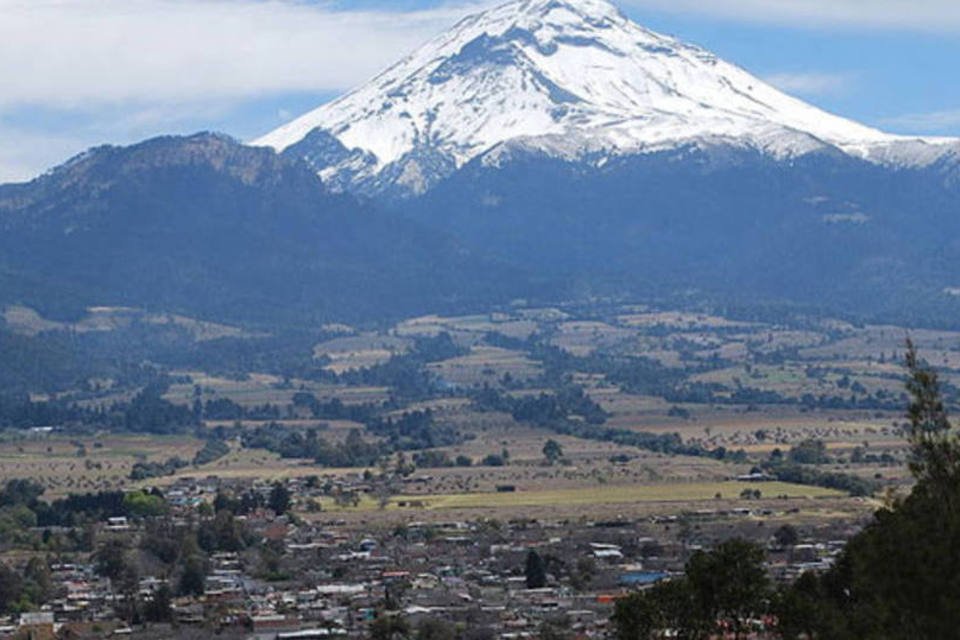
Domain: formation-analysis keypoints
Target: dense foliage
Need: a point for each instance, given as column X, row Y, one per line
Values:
column 897, row 579
column 723, row 590
column 353, row 451
column 147, row 412
column 569, row 411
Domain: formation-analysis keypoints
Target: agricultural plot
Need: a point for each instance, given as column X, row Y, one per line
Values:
column 583, row 337
column 670, row 492
column 259, row 389
column 358, row 352
column 87, row 464
column 27, row 321
column 486, row 364
column 518, row 327
column 253, row 389
column 716, row 383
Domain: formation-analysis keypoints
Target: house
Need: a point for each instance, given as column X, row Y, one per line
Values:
column 641, row 579
column 118, row 523
column 310, row 634
column 268, row 626
column 37, row 625
column 602, row 551
column 755, row 476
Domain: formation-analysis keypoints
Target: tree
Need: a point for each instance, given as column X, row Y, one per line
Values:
column 935, row 450
column 388, row 626
column 585, row 570
column 194, row 576
column 344, row 498
column 552, row 451
column 225, row 502
column 11, row 586
column 730, row 583
column 271, row 561
column 111, row 559
column 223, row 532
column 809, row 452
column 142, row 504
column 404, row 468
column 786, row 535
column 436, row 629
column 799, row 608
column 636, row 617
column 897, row 577
column 157, row 608
column 555, row 629
column 722, row 589
column 384, row 490
column 493, row 460
column 675, row 600
column 668, row 607
column 535, row 571
column 21, row 492
column 279, row 498
column 37, row 582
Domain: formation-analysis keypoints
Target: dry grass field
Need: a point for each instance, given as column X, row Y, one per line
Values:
column 792, row 504
column 486, row 364
column 259, row 389
column 69, row 465
column 473, row 326
column 666, row 492
column 360, row 351
column 27, row 321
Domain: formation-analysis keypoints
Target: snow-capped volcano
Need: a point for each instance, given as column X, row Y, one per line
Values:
column 570, row 78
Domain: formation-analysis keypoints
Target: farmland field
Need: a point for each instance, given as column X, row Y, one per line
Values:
column 670, row 492
column 749, row 390
column 66, row 465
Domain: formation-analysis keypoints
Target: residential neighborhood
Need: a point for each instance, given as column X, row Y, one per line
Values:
column 279, row 569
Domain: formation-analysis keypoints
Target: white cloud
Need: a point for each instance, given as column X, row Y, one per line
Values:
column 70, row 53
column 74, row 73
column 933, row 122
column 126, row 69
column 940, row 16
column 24, row 154
column 811, row 84
column 66, row 53
column 32, row 140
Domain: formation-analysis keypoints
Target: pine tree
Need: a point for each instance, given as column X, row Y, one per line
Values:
column 535, row 571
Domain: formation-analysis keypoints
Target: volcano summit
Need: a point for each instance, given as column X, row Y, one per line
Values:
column 573, row 78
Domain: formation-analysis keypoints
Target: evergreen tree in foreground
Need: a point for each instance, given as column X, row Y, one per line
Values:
column 724, row 590
column 900, row 577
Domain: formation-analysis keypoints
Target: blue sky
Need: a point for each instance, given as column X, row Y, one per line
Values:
column 76, row 73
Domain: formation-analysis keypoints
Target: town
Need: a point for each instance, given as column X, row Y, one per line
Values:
column 258, row 560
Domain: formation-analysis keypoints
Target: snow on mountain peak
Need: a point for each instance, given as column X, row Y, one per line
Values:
column 571, row 76
column 586, row 9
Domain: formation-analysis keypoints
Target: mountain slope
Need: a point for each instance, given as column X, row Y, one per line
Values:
column 208, row 227
column 561, row 136
column 574, row 78
column 823, row 231
column 546, row 149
